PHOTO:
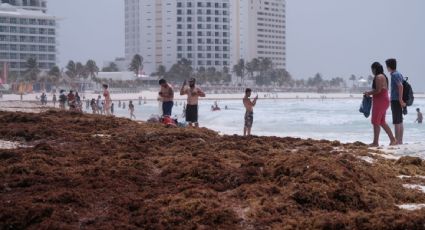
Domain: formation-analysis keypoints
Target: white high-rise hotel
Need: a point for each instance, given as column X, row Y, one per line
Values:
column 209, row 33
column 26, row 31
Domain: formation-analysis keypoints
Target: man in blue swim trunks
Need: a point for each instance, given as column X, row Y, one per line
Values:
column 249, row 113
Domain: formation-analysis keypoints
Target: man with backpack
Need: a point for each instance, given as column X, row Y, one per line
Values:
column 397, row 102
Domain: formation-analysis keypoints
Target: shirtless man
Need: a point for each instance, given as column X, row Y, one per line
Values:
column 249, row 114
column 193, row 93
column 420, row 116
column 166, row 95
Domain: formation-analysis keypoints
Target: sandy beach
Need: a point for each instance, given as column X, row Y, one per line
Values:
column 68, row 170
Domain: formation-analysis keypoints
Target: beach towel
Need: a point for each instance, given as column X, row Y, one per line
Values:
column 366, row 106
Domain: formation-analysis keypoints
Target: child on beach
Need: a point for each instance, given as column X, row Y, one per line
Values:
column 131, row 109
column 62, row 99
column 93, row 105
column 420, row 116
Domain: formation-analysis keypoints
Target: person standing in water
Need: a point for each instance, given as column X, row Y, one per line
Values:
column 193, row 93
column 166, row 95
column 381, row 103
column 420, row 116
column 131, row 109
column 249, row 113
column 108, row 101
column 54, row 100
column 397, row 103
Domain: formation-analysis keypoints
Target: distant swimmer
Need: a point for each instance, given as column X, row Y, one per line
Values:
column 249, row 114
column 193, row 93
column 420, row 116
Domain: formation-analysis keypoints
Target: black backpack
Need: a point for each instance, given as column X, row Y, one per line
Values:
column 408, row 97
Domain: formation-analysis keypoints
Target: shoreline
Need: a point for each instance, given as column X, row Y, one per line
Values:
column 152, row 96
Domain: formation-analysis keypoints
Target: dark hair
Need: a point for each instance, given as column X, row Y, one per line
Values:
column 248, row 90
column 391, row 63
column 105, row 86
column 377, row 68
column 418, row 109
column 162, row 81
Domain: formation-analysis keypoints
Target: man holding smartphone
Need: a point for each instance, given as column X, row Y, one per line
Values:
column 193, row 93
column 249, row 113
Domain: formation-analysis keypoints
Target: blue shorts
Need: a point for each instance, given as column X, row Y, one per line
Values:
column 167, row 108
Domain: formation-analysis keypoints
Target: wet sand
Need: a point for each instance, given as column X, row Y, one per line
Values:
column 76, row 171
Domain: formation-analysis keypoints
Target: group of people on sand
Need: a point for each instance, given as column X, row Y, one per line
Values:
column 386, row 93
column 193, row 92
column 71, row 100
column 104, row 106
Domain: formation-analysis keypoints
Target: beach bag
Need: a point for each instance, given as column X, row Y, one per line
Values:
column 366, row 106
column 408, row 97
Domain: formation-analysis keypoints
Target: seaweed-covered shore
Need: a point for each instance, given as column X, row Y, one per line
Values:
column 80, row 171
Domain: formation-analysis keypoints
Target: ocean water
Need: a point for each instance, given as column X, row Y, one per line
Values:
column 331, row 119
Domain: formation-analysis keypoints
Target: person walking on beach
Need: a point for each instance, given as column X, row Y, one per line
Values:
column 166, row 95
column 62, row 99
column 249, row 113
column 54, row 99
column 131, row 109
column 108, row 100
column 71, row 101
column 420, row 116
column 397, row 103
column 112, row 109
column 99, row 105
column 93, row 105
column 193, row 93
column 380, row 104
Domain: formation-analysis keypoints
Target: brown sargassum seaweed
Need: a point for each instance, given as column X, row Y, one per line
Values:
column 96, row 172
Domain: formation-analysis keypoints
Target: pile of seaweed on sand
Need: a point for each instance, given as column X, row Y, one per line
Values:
column 95, row 172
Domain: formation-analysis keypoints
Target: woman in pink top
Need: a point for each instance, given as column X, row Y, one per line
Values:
column 381, row 102
column 108, row 100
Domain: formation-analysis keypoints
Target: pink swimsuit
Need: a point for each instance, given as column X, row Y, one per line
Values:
column 381, row 102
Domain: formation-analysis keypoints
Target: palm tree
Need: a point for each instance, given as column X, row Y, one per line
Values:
column 112, row 67
column 55, row 74
column 265, row 64
column 32, row 71
column 92, row 68
column 161, row 71
column 136, row 64
column 81, row 70
column 71, row 70
column 239, row 69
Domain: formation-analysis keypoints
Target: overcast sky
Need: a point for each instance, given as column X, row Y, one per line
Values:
column 336, row 38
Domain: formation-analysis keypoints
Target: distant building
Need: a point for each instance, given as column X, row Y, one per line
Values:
column 209, row 33
column 27, row 33
column 39, row 5
column 259, row 30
